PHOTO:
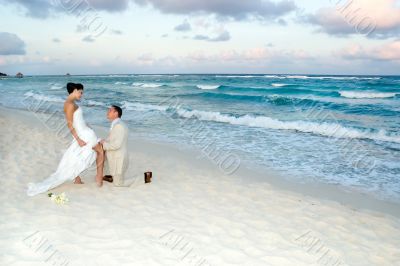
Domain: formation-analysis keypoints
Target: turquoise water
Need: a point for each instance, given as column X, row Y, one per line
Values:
column 342, row 130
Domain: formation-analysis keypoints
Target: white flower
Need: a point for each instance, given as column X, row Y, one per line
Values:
column 60, row 199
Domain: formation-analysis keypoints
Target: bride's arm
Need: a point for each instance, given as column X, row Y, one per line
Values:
column 69, row 113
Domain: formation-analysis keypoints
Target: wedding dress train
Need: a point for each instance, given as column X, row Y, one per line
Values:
column 74, row 161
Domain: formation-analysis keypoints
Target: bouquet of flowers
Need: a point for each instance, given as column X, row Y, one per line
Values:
column 60, row 199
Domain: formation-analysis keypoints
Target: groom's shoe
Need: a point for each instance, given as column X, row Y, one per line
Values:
column 108, row 178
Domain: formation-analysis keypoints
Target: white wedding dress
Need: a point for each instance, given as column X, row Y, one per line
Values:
column 74, row 161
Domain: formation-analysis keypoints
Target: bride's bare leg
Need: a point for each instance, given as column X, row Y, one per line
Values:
column 99, row 164
column 78, row 180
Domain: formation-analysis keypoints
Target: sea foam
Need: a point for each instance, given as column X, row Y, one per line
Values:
column 324, row 129
column 208, row 87
column 45, row 98
column 279, row 85
column 146, row 85
column 366, row 94
column 319, row 128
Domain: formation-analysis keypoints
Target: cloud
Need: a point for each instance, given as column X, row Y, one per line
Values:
column 376, row 20
column 11, row 44
column 237, row 9
column 387, row 52
column 255, row 60
column 210, row 29
column 88, row 38
column 184, row 26
column 221, row 37
column 145, row 59
column 116, row 32
column 257, row 54
column 33, row 8
column 281, row 22
column 44, row 8
column 107, row 5
column 200, row 37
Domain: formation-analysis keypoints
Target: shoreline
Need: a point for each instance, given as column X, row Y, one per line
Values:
column 250, row 173
column 253, row 174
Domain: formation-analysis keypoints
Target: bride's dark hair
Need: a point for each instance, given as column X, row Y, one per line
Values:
column 74, row 86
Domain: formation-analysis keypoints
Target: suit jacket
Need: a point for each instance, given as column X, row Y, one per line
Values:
column 116, row 148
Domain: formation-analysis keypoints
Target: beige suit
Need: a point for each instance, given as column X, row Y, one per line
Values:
column 117, row 156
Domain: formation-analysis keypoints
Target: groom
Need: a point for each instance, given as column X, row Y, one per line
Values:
column 116, row 147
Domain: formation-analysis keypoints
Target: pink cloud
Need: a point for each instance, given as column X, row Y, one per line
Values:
column 371, row 17
column 386, row 52
column 257, row 54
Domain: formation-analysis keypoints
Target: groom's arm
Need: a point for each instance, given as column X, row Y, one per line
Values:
column 114, row 142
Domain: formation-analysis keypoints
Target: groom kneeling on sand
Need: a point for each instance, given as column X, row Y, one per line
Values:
column 116, row 147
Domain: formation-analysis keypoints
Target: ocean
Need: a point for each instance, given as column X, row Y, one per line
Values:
column 340, row 130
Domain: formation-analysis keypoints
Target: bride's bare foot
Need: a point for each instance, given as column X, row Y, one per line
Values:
column 78, row 181
column 99, row 181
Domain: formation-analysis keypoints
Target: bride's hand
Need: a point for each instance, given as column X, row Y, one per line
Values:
column 81, row 143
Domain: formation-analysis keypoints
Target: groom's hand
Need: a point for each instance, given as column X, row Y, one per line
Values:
column 98, row 147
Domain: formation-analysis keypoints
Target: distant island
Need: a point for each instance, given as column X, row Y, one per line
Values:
column 3, row 75
column 19, row 75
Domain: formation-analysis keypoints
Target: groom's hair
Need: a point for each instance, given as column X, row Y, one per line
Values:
column 73, row 86
column 118, row 109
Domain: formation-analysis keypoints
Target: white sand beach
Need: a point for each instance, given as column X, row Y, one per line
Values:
column 191, row 213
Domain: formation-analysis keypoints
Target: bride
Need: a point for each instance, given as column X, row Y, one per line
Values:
column 82, row 152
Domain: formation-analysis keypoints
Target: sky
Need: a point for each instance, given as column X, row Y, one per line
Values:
column 40, row 37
